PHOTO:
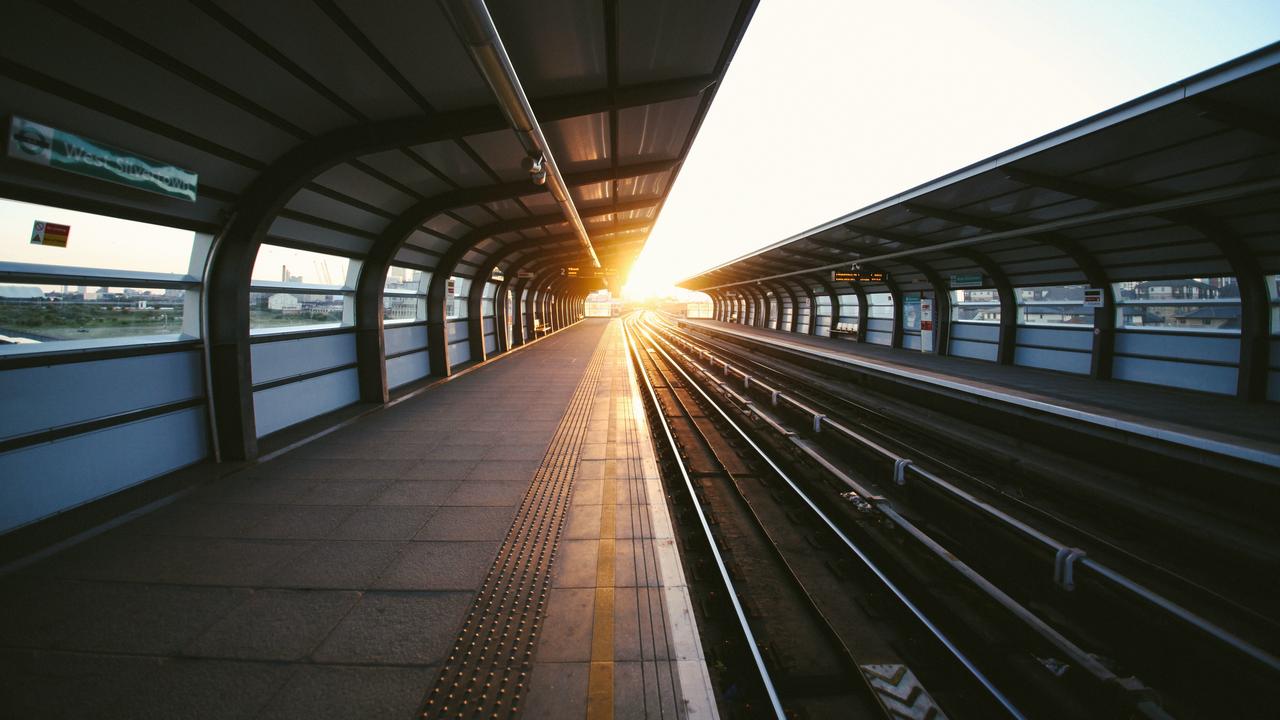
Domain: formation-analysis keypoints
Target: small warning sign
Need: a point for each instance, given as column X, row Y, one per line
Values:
column 51, row 234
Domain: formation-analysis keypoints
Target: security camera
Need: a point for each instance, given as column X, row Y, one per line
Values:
column 536, row 168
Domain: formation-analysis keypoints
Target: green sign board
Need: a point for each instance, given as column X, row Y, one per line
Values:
column 964, row 281
column 43, row 145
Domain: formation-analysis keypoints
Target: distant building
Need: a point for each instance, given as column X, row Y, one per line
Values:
column 20, row 292
column 1176, row 290
column 1210, row 317
column 285, row 303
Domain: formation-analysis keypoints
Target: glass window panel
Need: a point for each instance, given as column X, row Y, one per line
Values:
column 293, row 310
column 1273, row 289
column 1180, row 305
column 455, row 299
column 406, row 280
column 289, row 265
column 97, row 241
column 36, row 314
column 403, row 308
column 879, row 305
column 978, row 305
column 1060, row 305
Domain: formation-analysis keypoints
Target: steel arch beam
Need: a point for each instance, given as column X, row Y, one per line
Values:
column 227, row 276
column 491, row 263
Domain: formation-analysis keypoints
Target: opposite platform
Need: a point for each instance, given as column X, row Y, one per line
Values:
column 1200, row 420
column 334, row 580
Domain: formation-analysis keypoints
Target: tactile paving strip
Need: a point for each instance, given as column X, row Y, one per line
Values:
column 488, row 669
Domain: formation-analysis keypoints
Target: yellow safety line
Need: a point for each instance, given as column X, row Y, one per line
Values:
column 600, row 676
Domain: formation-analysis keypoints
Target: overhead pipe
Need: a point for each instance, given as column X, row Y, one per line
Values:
column 474, row 25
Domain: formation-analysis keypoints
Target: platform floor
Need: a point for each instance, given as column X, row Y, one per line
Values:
column 1176, row 412
column 338, row 579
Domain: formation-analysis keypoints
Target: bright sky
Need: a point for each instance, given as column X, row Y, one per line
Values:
column 831, row 105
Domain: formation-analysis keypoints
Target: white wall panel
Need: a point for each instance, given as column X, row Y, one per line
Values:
column 975, row 331
column 1187, row 347
column 41, row 398
column 403, row 339
column 407, row 368
column 459, row 352
column 1061, row 360
column 879, row 338
column 1056, row 338
column 976, row 350
column 42, row 480
column 286, row 358
column 279, row 407
column 1192, row 376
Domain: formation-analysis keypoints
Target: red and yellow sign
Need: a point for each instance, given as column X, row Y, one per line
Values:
column 51, row 234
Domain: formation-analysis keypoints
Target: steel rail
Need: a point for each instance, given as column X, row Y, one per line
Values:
column 904, row 465
column 929, row 625
column 706, row 529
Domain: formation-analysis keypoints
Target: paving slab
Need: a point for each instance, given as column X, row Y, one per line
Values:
column 333, row 580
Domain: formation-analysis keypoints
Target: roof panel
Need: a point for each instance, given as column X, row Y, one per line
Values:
column 670, row 40
column 325, row 52
column 450, row 160
column 593, row 192
column 502, row 152
column 227, row 59
column 429, row 56
column 658, row 131
column 362, row 186
column 400, row 166
column 558, row 45
column 510, row 209
column 313, row 234
column 643, row 186
column 579, row 143
column 107, row 70
column 325, row 208
column 476, row 215
column 447, row 226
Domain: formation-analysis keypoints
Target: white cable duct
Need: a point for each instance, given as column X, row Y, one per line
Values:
column 474, row 25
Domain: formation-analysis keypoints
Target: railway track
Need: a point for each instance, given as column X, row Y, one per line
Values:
column 1020, row 662
column 1193, row 545
column 816, row 653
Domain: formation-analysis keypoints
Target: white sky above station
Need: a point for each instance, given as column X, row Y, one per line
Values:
column 831, row 105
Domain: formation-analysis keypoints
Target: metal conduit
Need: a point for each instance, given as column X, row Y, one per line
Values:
column 473, row 24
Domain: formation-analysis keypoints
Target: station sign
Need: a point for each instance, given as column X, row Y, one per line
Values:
column 966, row 281
column 43, row 145
column 1093, row 297
column 857, row 276
column 575, row 272
column 926, row 325
column 50, row 234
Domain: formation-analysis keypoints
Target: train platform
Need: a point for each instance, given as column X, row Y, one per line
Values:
column 1210, row 423
column 499, row 542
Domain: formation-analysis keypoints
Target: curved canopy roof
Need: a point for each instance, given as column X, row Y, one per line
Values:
column 1182, row 182
column 346, row 126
